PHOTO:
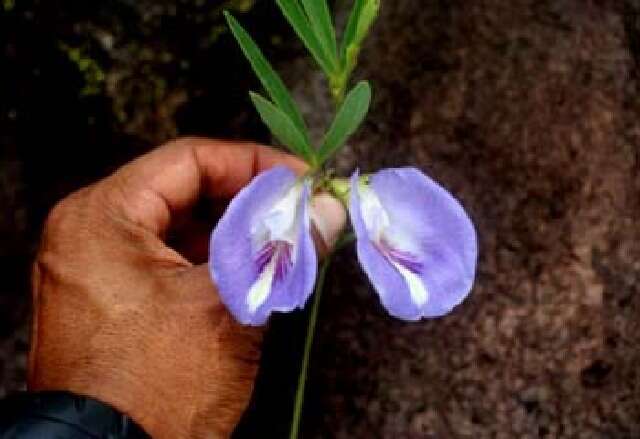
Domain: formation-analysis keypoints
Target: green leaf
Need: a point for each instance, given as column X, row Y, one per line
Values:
column 352, row 26
column 362, row 17
column 320, row 19
column 349, row 117
column 368, row 15
column 283, row 128
column 267, row 75
column 296, row 17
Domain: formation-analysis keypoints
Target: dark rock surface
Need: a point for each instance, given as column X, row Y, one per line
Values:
column 526, row 110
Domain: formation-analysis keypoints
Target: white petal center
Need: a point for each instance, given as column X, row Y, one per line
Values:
column 417, row 288
column 279, row 223
column 377, row 222
column 375, row 217
column 261, row 288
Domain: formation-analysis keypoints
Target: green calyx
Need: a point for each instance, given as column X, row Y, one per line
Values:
column 340, row 187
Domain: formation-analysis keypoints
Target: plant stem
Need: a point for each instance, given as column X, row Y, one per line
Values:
column 345, row 240
column 338, row 87
column 311, row 329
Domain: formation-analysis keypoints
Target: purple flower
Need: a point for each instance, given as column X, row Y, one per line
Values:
column 262, row 254
column 414, row 241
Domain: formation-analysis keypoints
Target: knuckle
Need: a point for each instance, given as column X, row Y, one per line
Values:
column 64, row 218
column 58, row 215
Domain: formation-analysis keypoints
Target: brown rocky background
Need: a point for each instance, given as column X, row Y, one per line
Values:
column 526, row 110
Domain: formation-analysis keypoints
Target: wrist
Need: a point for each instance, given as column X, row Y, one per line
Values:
column 157, row 412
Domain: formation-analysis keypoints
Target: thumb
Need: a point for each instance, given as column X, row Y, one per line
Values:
column 328, row 219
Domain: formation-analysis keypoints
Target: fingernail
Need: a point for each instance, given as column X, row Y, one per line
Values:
column 329, row 218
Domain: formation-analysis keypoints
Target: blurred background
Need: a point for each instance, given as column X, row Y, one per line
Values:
column 527, row 110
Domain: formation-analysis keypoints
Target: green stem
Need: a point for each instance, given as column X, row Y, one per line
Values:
column 346, row 239
column 338, row 86
column 311, row 329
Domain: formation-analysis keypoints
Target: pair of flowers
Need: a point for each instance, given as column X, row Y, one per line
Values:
column 414, row 241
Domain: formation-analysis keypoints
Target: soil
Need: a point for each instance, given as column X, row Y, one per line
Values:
column 526, row 110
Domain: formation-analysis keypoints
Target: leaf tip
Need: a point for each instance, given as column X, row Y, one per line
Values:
column 365, row 87
column 255, row 97
column 231, row 21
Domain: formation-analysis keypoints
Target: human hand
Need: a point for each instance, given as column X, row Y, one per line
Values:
column 121, row 316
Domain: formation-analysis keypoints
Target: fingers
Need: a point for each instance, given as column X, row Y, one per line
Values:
column 328, row 218
column 172, row 177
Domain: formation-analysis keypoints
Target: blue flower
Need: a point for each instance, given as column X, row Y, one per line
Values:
column 262, row 256
column 414, row 241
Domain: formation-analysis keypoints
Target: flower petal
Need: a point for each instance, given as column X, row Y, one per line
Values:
column 237, row 256
column 387, row 281
column 294, row 290
column 426, row 222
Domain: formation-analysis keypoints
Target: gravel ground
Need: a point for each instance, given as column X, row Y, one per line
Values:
column 528, row 112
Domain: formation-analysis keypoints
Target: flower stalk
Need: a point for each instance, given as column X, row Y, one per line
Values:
column 308, row 344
